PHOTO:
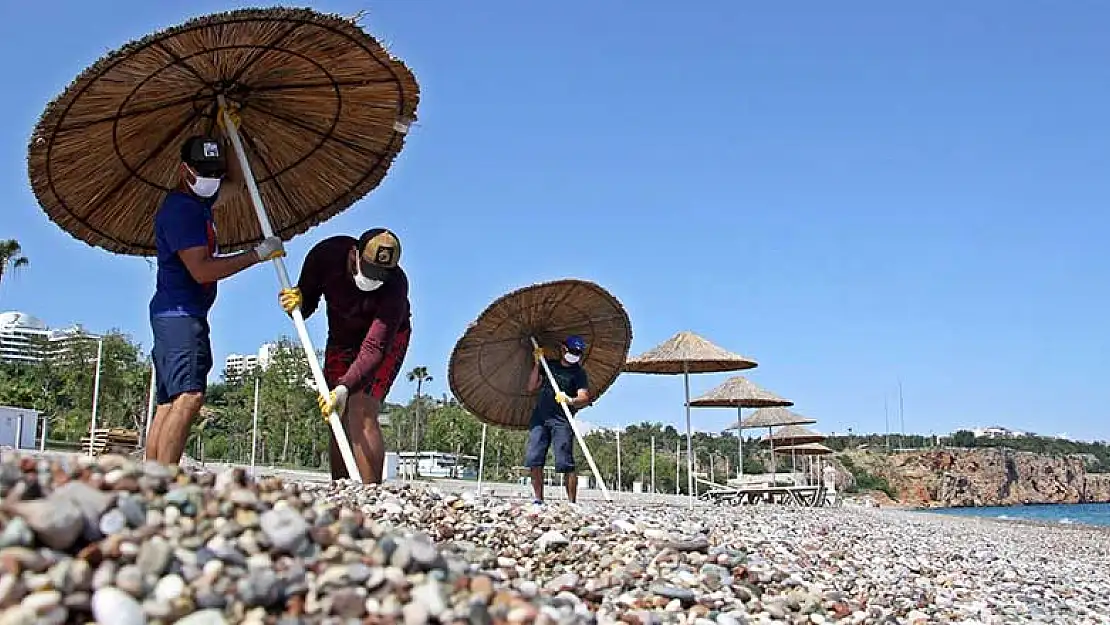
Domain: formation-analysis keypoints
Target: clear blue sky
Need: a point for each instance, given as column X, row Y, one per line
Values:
column 848, row 194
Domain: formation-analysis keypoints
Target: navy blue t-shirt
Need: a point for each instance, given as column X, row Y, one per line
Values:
column 183, row 221
column 570, row 379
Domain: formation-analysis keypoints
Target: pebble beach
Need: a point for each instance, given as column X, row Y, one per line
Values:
column 116, row 541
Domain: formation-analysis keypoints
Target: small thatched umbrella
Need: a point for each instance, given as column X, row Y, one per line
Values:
column 771, row 418
column 489, row 366
column 688, row 353
column 321, row 105
column 742, row 393
column 794, row 434
column 807, row 450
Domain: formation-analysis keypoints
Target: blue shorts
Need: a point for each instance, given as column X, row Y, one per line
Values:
column 551, row 432
column 182, row 356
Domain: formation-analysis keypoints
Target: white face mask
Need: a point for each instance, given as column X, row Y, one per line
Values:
column 571, row 358
column 205, row 187
column 366, row 284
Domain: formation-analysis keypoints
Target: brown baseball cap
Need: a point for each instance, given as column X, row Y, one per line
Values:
column 379, row 254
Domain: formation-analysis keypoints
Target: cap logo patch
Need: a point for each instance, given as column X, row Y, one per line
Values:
column 211, row 149
column 384, row 255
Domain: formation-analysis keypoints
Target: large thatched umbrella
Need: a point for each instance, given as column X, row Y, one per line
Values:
column 688, row 353
column 489, row 366
column 321, row 106
column 771, row 418
column 742, row 393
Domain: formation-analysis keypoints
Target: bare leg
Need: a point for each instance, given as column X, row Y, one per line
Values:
column 365, row 434
column 156, row 431
column 175, row 423
column 572, row 486
column 537, row 482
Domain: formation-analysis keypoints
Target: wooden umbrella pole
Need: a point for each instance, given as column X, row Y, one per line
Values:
column 283, row 277
column 577, row 434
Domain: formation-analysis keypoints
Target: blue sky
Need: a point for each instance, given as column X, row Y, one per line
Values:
column 849, row 195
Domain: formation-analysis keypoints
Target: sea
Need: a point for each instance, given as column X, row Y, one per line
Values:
column 1063, row 513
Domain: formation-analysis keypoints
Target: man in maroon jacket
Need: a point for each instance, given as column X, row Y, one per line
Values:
column 368, row 335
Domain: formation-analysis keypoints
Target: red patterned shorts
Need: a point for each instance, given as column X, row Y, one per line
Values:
column 338, row 359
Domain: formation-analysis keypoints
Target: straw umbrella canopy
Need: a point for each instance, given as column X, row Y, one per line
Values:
column 688, row 353
column 742, row 393
column 490, row 364
column 322, row 108
column 806, row 449
column 791, row 435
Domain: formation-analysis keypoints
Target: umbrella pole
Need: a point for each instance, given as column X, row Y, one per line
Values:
column 254, row 424
column 283, row 277
column 577, row 434
column 740, row 445
column 689, row 435
column 482, row 459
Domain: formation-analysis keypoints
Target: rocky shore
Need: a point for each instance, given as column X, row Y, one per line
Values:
column 119, row 542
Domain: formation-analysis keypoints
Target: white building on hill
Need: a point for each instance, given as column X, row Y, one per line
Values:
column 998, row 432
column 238, row 365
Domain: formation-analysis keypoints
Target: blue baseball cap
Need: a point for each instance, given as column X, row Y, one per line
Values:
column 575, row 344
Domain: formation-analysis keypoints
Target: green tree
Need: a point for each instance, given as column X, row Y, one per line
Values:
column 11, row 257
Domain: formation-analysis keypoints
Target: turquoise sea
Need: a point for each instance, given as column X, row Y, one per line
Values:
column 1081, row 513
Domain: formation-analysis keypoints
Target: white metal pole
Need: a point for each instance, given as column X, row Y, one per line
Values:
column 482, row 459
column 150, row 400
column 740, row 444
column 577, row 434
column 677, row 465
column 283, row 277
column 618, row 461
column 689, row 434
column 653, row 491
column 254, row 424
column 96, row 392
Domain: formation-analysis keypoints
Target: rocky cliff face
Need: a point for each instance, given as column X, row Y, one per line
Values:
column 985, row 477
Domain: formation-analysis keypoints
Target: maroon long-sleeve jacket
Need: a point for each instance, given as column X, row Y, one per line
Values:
column 369, row 320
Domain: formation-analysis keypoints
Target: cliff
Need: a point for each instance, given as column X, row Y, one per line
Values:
column 983, row 477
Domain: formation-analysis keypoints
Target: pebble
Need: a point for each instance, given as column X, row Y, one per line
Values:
column 123, row 542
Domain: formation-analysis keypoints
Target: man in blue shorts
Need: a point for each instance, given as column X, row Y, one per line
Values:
column 549, row 426
column 188, row 269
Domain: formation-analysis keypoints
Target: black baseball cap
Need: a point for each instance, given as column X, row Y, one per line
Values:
column 379, row 253
column 205, row 155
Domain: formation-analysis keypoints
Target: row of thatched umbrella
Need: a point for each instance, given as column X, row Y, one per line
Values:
column 688, row 353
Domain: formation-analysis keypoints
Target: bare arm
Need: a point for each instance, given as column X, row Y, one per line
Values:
column 205, row 268
column 534, row 378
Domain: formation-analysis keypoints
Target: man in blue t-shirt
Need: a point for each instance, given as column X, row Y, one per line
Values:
column 188, row 269
column 549, row 426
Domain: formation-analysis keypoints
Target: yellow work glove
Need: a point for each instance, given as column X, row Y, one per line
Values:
column 336, row 400
column 538, row 354
column 561, row 397
column 290, row 298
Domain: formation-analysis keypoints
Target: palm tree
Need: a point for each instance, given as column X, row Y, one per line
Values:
column 420, row 376
column 11, row 256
